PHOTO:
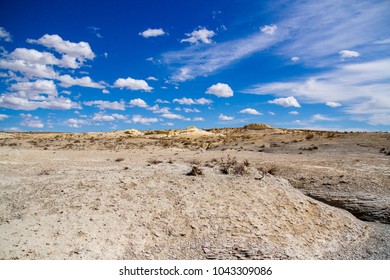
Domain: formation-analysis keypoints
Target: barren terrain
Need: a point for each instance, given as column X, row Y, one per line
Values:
column 241, row 193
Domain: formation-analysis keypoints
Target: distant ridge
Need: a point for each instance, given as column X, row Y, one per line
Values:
column 257, row 126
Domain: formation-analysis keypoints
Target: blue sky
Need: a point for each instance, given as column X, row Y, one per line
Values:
column 104, row 65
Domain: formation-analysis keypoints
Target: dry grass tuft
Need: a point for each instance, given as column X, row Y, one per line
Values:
column 309, row 136
column 154, row 161
column 230, row 165
column 268, row 169
column 195, row 171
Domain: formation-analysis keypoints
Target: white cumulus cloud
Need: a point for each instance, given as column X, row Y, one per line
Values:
column 295, row 58
column 250, row 111
column 269, row 29
column 107, row 118
column 5, row 35
column 333, row 104
column 28, row 69
column 31, row 101
column 132, row 84
column 174, row 116
column 220, row 90
column 31, row 121
column 138, row 102
column 36, row 87
column 75, row 123
column 102, row 105
column 189, row 110
column 34, row 56
column 142, row 120
column 152, row 32
column 3, row 117
column 68, row 81
column 294, row 113
column 201, row 35
column 286, row 102
column 80, row 50
column 190, row 101
column 223, row 117
column 162, row 101
column 319, row 117
column 348, row 54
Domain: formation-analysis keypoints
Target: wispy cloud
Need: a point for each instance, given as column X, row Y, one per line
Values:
column 95, row 30
column 311, row 32
column 102, row 105
column 5, row 35
column 31, row 121
column 142, row 120
column 3, row 117
column 320, row 30
column 190, row 101
column 361, row 87
column 348, row 54
column 269, row 29
column 206, row 59
column 333, row 104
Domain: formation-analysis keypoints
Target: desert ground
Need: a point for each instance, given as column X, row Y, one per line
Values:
column 255, row 192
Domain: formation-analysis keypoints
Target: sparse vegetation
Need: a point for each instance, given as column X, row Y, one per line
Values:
column 268, row 169
column 195, row 171
column 119, row 159
column 384, row 151
column 157, row 132
column 230, row 165
column 311, row 148
column 44, row 172
column 194, row 161
column 211, row 163
column 309, row 136
column 226, row 165
column 154, row 161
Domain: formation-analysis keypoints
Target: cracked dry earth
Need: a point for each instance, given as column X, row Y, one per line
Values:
column 259, row 194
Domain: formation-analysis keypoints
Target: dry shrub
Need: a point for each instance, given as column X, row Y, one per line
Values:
column 226, row 165
column 195, row 171
column 154, row 161
column 211, row 163
column 119, row 159
column 230, row 165
column 311, row 148
column 309, row 136
column 44, row 172
column 268, row 169
column 194, row 161
column 239, row 169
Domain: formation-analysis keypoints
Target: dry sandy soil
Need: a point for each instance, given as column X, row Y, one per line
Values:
column 242, row 193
